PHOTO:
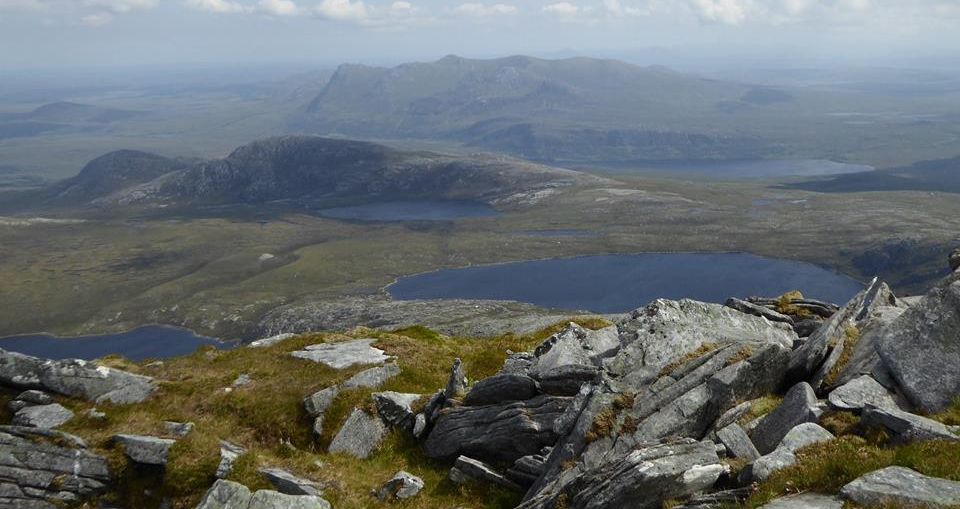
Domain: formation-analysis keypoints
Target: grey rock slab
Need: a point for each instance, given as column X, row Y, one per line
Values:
column 396, row 408
column 905, row 427
column 272, row 340
column 74, row 378
column 402, row 486
column 373, row 377
column 859, row 393
column 737, row 442
column 266, row 499
column 564, row 348
column 35, row 397
column 666, row 330
column 805, row 501
column 902, row 487
column 799, row 406
column 43, row 416
column 465, row 469
column 145, row 450
column 500, row 388
column 229, row 452
column 317, row 403
column 289, row 484
column 783, row 456
column 921, row 348
column 755, row 310
column 359, row 436
column 178, row 429
column 567, row 380
column 343, row 355
column 231, row 495
column 501, row 432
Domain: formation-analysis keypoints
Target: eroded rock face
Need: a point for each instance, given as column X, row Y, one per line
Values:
column 74, row 378
column 643, row 478
column 902, row 487
column 921, row 348
column 501, row 432
column 40, row 467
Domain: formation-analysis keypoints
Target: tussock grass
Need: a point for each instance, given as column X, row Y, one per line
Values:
column 950, row 416
column 785, row 305
column 704, row 349
column 827, row 467
column 267, row 418
column 760, row 407
column 851, row 338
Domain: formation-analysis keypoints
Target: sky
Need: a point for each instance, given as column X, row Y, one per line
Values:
column 51, row 34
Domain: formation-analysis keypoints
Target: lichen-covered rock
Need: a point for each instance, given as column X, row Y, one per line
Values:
column 343, row 355
column 41, row 467
column 799, row 406
column 359, row 436
column 905, row 427
column 49, row 416
column 74, row 378
column 501, row 432
column 402, row 486
column 144, row 449
column 901, row 487
column 921, row 348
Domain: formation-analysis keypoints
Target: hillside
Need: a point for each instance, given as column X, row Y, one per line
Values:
column 790, row 401
column 941, row 175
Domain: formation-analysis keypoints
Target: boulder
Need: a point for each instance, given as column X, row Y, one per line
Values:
column 457, row 383
column 402, row 486
column 783, row 456
column 905, row 427
column 43, row 416
column 864, row 358
column 144, row 449
column 75, row 378
column 501, row 388
column 666, row 331
column 231, row 495
column 921, row 348
column 289, row 484
column 317, row 403
column 799, row 406
column 755, row 310
column 229, row 453
column 737, row 442
column 901, row 487
column 35, row 397
column 396, row 409
column 468, row 469
column 45, row 468
column 805, row 501
column 359, row 436
column 643, row 478
column 373, row 377
column 565, row 348
column 859, row 393
column 178, row 429
column 501, row 432
column 343, row 355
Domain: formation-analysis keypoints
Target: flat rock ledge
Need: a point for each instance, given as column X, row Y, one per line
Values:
column 231, row 495
column 902, row 487
column 343, row 355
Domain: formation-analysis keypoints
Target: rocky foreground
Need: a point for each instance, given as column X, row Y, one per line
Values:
column 681, row 403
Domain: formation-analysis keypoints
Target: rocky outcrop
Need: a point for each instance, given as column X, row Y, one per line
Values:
column 468, row 469
column 502, row 388
column 145, row 450
column 799, row 406
column 500, row 432
column 49, row 416
column 74, row 378
column 921, row 348
column 231, row 495
column 902, row 487
column 783, row 456
column 41, row 468
column 395, row 409
column 317, row 404
column 757, row 310
column 343, row 355
column 906, row 427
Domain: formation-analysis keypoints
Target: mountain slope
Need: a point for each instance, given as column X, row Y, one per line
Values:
column 941, row 175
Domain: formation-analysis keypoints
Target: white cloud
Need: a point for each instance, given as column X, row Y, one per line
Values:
column 121, row 5
column 562, row 9
column 97, row 20
column 218, row 6
column 279, row 7
column 480, row 10
column 729, row 12
column 343, row 10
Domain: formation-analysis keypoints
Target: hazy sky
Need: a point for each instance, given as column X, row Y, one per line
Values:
column 58, row 33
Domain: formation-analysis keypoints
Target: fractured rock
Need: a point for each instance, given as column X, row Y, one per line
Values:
column 783, row 456
column 465, row 469
column 231, row 495
column 737, row 442
column 396, row 409
column 457, row 383
column 755, row 310
column 289, row 484
column 501, row 388
column 229, row 453
column 343, row 355
column 905, row 427
column 402, row 486
column 359, row 436
column 145, row 450
column 902, row 487
column 49, row 416
column 178, row 429
column 859, row 393
column 799, row 406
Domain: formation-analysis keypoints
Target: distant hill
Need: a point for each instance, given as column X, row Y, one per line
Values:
column 66, row 112
column 942, row 175
column 541, row 109
column 302, row 168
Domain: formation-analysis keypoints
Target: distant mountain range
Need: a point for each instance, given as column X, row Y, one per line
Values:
column 297, row 168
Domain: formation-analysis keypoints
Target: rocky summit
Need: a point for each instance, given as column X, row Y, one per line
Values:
column 772, row 402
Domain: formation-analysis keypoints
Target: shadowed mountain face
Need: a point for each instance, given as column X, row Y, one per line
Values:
column 301, row 168
column 941, row 175
column 540, row 109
